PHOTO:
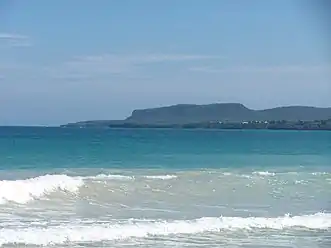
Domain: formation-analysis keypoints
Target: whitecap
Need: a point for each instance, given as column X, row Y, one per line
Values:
column 23, row 191
column 264, row 173
column 110, row 177
column 161, row 177
column 100, row 232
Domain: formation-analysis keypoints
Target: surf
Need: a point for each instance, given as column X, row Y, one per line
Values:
column 91, row 231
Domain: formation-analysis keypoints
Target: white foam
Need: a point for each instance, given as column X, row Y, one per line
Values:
column 162, row 177
column 300, row 182
column 264, row 173
column 245, row 176
column 110, row 177
column 26, row 190
column 319, row 173
column 100, row 232
column 23, row 191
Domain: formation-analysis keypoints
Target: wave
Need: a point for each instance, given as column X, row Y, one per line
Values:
column 101, row 232
column 111, row 177
column 271, row 174
column 320, row 173
column 162, row 177
column 23, row 191
column 26, row 190
column 264, row 173
column 122, row 177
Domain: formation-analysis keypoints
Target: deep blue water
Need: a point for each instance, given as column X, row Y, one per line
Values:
column 154, row 148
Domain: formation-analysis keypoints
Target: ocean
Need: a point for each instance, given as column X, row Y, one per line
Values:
column 62, row 187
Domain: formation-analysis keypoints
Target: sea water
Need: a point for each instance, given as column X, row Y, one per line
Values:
column 62, row 187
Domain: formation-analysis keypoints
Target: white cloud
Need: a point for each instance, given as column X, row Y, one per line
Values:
column 106, row 64
column 15, row 40
column 266, row 69
column 9, row 36
column 139, row 59
column 96, row 67
column 154, row 58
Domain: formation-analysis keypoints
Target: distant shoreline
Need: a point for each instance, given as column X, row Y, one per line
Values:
column 168, row 128
column 299, row 126
column 219, row 116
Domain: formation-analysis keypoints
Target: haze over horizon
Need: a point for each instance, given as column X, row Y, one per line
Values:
column 67, row 61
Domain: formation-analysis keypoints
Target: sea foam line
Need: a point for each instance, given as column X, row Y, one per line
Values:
column 23, row 191
column 110, row 177
column 26, row 190
column 264, row 173
column 97, row 232
column 161, row 177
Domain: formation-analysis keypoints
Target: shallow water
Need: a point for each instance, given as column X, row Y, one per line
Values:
column 164, row 188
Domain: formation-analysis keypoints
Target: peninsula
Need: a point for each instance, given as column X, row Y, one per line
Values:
column 219, row 116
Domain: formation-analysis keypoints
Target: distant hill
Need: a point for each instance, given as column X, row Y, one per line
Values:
column 224, row 112
column 233, row 112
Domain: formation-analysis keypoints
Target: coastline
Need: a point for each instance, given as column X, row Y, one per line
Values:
column 323, row 125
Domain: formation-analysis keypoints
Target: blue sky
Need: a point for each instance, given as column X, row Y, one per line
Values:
column 64, row 61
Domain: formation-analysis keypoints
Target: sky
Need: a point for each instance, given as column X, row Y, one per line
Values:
column 65, row 61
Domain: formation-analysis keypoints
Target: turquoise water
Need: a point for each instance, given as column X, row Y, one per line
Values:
column 164, row 188
column 176, row 149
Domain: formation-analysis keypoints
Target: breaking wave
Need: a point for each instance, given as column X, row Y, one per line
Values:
column 110, row 177
column 264, row 173
column 101, row 232
column 26, row 190
column 23, row 191
column 162, row 177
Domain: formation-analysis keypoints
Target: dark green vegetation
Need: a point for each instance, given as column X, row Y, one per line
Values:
column 221, row 116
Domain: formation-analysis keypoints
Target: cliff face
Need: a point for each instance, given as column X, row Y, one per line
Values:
column 179, row 114
column 234, row 112
column 222, row 112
